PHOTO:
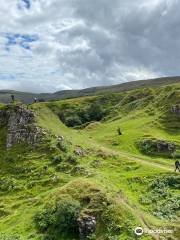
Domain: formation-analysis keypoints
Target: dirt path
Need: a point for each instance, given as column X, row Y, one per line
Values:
column 138, row 159
column 137, row 213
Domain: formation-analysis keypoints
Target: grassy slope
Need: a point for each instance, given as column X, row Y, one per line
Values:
column 113, row 177
column 121, row 162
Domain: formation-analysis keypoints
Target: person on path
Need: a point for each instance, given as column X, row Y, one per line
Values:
column 177, row 166
column 12, row 98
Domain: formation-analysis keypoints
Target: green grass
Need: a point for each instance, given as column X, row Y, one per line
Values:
column 110, row 162
column 1, row 105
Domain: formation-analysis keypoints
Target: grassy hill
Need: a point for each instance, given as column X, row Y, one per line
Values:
column 5, row 95
column 109, row 156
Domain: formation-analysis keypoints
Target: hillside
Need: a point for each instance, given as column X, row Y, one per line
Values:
column 92, row 167
column 5, row 95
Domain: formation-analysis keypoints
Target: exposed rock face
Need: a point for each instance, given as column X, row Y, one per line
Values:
column 175, row 109
column 87, row 226
column 20, row 124
column 164, row 146
column 157, row 146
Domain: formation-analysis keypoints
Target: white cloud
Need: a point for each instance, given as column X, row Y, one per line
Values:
column 88, row 43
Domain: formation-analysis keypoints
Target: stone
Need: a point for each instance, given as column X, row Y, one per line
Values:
column 21, row 127
column 163, row 146
column 175, row 109
column 60, row 138
column 55, row 179
column 87, row 226
column 79, row 151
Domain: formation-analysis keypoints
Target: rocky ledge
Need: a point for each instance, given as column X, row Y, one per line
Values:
column 176, row 109
column 87, row 226
column 155, row 146
column 20, row 124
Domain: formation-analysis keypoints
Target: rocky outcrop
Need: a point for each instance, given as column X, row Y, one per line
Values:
column 175, row 109
column 155, row 146
column 87, row 226
column 20, row 124
column 163, row 146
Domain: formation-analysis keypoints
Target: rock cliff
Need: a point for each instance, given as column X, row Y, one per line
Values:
column 20, row 124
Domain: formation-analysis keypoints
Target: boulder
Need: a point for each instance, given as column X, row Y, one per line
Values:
column 87, row 226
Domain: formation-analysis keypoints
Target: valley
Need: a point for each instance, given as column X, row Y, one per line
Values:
column 91, row 167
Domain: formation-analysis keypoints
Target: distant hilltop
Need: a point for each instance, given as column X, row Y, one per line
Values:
column 26, row 97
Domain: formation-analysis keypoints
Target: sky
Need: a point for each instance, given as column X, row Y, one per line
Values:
column 52, row 45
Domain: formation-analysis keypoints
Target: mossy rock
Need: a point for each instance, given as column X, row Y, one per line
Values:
column 157, row 147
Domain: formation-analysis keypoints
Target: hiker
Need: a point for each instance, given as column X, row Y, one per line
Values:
column 13, row 98
column 35, row 100
column 177, row 166
column 119, row 131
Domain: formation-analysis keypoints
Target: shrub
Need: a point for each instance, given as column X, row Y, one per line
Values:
column 72, row 159
column 63, row 167
column 57, row 159
column 11, row 158
column 8, row 185
column 9, row 237
column 84, row 115
column 162, row 201
column 169, row 208
column 78, row 114
column 96, row 112
column 73, row 121
column 62, row 146
column 173, row 181
column 59, row 217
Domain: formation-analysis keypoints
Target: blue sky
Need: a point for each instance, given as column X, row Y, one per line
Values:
column 24, row 4
column 50, row 45
column 27, row 3
column 21, row 40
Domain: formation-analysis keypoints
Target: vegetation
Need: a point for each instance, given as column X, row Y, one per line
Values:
column 85, row 167
column 58, row 218
column 161, row 199
column 153, row 146
column 79, row 114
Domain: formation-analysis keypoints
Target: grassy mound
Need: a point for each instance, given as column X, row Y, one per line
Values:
column 63, row 209
column 74, row 202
